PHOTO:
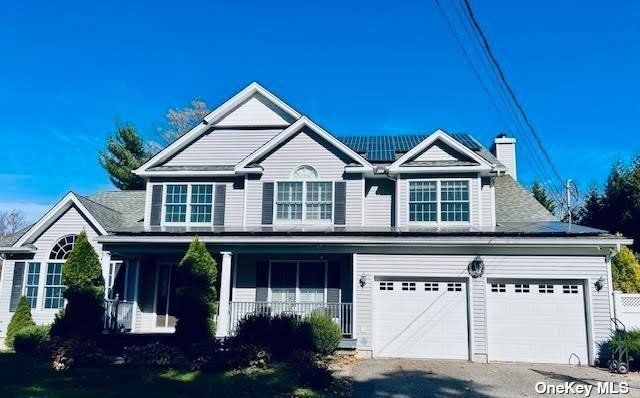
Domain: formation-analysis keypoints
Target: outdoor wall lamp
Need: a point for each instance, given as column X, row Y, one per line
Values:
column 476, row 267
column 599, row 284
column 363, row 280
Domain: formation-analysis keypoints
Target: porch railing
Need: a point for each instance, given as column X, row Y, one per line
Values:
column 341, row 313
column 118, row 315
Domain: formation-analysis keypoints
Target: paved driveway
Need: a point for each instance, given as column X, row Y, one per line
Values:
column 428, row 378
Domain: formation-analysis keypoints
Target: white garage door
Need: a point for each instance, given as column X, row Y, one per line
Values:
column 533, row 321
column 420, row 319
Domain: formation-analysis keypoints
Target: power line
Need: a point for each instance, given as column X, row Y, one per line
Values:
column 544, row 175
column 510, row 90
column 490, row 71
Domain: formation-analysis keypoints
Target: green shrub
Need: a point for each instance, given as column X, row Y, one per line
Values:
column 73, row 353
column 253, row 330
column 325, row 333
column 84, row 292
column 20, row 320
column 154, row 355
column 625, row 271
column 195, row 294
column 619, row 341
column 31, row 339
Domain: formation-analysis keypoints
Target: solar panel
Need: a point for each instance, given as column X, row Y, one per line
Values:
column 384, row 148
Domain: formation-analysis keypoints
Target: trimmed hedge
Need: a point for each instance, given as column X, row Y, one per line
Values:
column 283, row 334
column 20, row 320
column 32, row 339
column 325, row 334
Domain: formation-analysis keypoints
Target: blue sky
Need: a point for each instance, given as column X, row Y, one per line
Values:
column 70, row 68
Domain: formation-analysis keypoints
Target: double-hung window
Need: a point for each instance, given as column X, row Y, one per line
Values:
column 176, row 203
column 188, row 203
column 289, row 201
column 454, row 201
column 201, row 201
column 439, row 201
column 319, row 204
column 423, row 203
column 32, row 284
column 53, row 287
column 304, row 201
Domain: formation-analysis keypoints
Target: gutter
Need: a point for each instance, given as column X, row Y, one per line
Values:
column 596, row 242
column 9, row 249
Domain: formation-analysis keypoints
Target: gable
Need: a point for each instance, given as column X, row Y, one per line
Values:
column 222, row 147
column 256, row 110
column 70, row 223
column 304, row 148
column 440, row 152
column 253, row 108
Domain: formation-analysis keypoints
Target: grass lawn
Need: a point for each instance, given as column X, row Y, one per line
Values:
column 25, row 377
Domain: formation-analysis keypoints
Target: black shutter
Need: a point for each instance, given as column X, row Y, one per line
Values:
column 17, row 285
column 262, row 281
column 333, row 282
column 156, row 205
column 146, row 291
column 267, row 203
column 218, row 204
column 340, row 203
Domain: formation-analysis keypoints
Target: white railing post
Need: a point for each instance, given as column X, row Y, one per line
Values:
column 222, row 327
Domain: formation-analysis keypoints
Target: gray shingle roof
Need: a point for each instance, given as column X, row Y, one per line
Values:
column 129, row 204
column 11, row 239
column 109, row 219
column 514, row 204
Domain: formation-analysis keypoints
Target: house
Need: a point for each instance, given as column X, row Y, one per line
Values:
column 419, row 246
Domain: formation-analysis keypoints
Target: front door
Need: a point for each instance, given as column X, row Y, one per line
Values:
column 165, row 296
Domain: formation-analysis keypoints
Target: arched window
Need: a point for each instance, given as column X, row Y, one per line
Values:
column 62, row 248
column 304, row 173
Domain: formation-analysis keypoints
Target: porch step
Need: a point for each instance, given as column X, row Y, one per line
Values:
column 347, row 343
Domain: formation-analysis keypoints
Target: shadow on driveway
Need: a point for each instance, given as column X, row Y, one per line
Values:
column 415, row 383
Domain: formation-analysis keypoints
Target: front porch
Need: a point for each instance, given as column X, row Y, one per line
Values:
column 141, row 295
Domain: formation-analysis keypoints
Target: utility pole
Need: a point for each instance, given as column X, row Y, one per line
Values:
column 568, row 189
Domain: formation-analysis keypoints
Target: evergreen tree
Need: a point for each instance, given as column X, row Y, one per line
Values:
column 84, row 292
column 625, row 271
column 542, row 196
column 195, row 294
column 125, row 152
column 20, row 320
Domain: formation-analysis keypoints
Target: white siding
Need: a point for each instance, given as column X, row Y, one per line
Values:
column 302, row 149
column 439, row 151
column 515, row 266
column 403, row 201
column 221, row 147
column 234, row 205
column 354, row 203
column 256, row 111
column 378, row 202
column 70, row 223
column 254, row 202
column 487, row 211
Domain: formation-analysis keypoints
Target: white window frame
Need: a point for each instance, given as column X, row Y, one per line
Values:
column 438, row 221
column 37, row 285
column 304, row 219
column 187, row 220
column 296, row 264
column 61, row 285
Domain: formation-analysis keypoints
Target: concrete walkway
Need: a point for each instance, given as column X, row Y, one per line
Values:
column 429, row 378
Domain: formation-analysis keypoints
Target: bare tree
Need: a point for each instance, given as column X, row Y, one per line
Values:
column 179, row 121
column 11, row 221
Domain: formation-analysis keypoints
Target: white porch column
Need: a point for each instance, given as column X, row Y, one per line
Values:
column 222, row 326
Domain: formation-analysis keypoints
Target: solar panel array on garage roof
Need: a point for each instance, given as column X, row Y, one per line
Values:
column 385, row 148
